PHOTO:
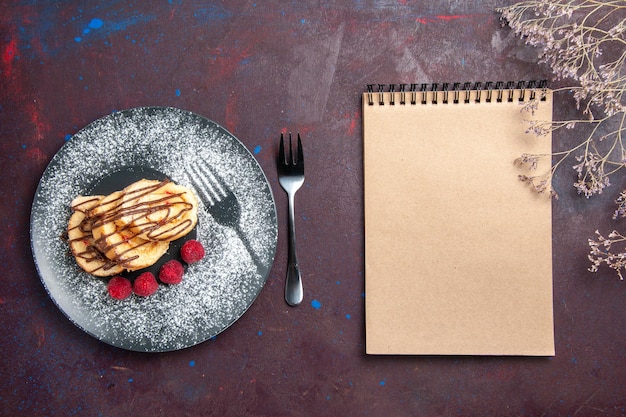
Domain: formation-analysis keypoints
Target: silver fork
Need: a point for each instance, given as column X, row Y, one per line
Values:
column 220, row 202
column 291, row 178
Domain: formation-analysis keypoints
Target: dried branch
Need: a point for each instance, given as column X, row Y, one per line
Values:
column 582, row 41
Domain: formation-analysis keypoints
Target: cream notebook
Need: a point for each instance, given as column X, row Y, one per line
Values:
column 458, row 250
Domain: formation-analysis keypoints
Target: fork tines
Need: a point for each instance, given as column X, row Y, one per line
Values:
column 299, row 159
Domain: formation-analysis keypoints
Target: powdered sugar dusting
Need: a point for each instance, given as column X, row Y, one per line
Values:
column 216, row 291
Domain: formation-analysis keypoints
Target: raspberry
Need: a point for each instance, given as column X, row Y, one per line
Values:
column 192, row 251
column 119, row 288
column 145, row 284
column 171, row 272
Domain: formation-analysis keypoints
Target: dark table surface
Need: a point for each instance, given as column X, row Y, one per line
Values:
column 258, row 69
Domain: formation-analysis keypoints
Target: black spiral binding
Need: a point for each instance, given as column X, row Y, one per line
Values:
column 458, row 92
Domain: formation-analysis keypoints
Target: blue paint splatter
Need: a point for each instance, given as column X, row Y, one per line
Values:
column 95, row 23
column 257, row 149
column 45, row 36
column 316, row 304
column 259, row 333
column 211, row 14
column 177, row 92
column 130, row 380
column 68, row 137
column 192, row 363
column 133, row 20
column 382, row 382
column 112, row 26
column 348, row 316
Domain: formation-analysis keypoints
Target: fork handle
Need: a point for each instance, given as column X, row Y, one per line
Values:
column 293, row 284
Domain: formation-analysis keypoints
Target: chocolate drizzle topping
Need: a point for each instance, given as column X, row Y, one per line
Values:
column 147, row 221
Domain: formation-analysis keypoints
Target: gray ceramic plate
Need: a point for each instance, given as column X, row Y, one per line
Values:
column 157, row 142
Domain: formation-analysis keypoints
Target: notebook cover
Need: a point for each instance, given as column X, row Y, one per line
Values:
column 458, row 250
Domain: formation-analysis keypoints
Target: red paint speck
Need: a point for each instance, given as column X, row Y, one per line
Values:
column 232, row 118
column 354, row 123
column 41, row 128
column 41, row 335
column 442, row 18
column 8, row 56
column 9, row 52
column 36, row 154
column 448, row 18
